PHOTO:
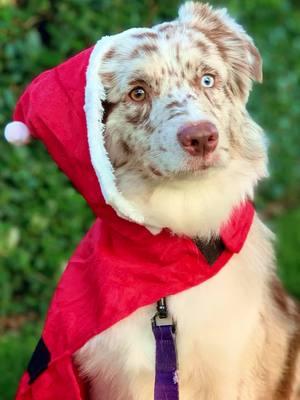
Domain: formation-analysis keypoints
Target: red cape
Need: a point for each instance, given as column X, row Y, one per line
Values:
column 119, row 266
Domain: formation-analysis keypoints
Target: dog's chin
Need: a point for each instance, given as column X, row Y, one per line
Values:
column 192, row 166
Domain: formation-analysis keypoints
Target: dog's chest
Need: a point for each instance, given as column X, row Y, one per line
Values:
column 211, row 333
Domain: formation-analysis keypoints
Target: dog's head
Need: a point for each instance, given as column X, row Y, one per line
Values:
column 166, row 122
column 176, row 126
column 176, row 95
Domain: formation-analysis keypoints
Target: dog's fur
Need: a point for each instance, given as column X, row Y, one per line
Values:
column 238, row 333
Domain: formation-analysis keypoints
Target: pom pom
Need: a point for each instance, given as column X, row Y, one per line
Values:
column 17, row 133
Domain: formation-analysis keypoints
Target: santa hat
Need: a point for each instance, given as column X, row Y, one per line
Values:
column 63, row 108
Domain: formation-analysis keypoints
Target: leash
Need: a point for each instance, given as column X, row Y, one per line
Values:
column 166, row 379
column 166, row 375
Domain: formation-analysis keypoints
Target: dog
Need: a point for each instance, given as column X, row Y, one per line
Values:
column 186, row 152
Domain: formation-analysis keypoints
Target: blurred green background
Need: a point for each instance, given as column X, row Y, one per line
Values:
column 42, row 218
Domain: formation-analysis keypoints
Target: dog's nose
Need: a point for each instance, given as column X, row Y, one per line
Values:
column 198, row 138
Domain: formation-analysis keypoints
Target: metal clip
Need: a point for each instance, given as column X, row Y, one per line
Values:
column 161, row 317
column 158, row 321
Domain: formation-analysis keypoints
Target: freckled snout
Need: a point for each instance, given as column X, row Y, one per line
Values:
column 198, row 138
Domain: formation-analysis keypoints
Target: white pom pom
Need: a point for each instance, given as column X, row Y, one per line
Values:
column 17, row 133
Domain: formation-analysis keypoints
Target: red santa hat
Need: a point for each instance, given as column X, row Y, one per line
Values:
column 63, row 108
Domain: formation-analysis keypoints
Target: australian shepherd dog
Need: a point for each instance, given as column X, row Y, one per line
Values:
column 186, row 151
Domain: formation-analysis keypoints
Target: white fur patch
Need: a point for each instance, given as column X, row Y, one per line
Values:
column 194, row 206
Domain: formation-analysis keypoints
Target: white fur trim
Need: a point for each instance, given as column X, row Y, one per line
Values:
column 17, row 133
column 94, row 96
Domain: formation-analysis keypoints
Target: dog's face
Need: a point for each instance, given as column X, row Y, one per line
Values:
column 176, row 95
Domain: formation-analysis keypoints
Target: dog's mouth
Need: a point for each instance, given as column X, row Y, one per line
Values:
column 204, row 162
column 192, row 165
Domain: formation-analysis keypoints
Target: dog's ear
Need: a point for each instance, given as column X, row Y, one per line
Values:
column 231, row 41
column 255, row 61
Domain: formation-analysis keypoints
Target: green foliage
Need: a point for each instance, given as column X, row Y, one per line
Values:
column 288, row 245
column 15, row 351
column 43, row 218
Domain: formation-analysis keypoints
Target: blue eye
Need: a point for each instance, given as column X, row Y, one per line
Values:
column 207, row 81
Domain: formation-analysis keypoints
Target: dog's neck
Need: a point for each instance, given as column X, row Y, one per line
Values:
column 195, row 206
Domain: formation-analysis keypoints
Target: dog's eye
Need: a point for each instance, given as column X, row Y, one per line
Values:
column 207, row 81
column 137, row 94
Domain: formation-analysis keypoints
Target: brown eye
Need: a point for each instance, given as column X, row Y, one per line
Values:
column 137, row 94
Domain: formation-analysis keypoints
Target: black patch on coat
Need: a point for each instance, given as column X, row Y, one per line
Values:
column 39, row 361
